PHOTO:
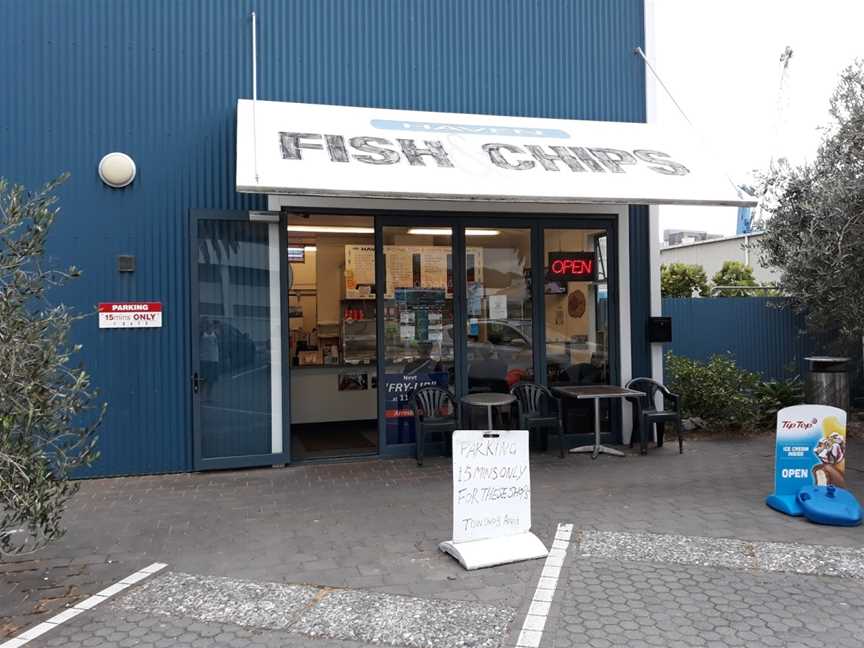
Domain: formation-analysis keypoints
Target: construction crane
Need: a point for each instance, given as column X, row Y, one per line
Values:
column 782, row 111
column 777, row 160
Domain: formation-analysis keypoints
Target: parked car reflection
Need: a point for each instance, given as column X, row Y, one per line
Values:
column 500, row 354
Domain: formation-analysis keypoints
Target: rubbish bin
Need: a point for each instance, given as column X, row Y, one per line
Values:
column 828, row 381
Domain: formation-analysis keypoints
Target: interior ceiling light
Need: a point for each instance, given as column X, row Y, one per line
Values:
column 331, row 229
column 446, row 231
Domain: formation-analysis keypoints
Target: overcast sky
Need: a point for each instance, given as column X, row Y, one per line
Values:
column 721, row 62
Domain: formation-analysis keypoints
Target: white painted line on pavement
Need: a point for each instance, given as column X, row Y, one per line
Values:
column 538, row 611
column 88, row 603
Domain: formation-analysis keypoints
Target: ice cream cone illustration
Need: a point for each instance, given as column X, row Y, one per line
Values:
column 831, row 451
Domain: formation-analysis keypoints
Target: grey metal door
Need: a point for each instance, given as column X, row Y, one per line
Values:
column 239, row 382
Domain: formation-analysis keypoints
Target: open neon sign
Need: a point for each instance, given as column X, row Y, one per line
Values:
column 571, row 266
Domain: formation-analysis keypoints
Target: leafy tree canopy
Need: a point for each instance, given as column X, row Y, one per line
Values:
column 682, row 280
column 733, row 273
column 815, row 232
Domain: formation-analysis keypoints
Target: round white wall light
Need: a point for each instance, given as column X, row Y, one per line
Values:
column 117, row 170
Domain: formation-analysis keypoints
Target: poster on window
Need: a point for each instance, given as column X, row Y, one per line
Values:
column 398, row 389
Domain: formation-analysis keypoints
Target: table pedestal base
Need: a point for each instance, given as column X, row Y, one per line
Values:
column 476, row 554
column 597, row 450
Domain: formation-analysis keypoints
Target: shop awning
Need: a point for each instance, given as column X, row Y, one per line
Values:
column 317, row 150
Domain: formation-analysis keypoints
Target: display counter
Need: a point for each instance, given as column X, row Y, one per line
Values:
column 330, row 393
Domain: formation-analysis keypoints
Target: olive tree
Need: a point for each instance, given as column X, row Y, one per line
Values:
column 815, row 230
column 48, row 414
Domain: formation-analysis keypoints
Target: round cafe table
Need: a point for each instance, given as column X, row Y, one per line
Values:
column 488, row 400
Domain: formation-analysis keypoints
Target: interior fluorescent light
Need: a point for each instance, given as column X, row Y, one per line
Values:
column 310, row 248
column 446, row 231
column 331, row 229
column 431, row 231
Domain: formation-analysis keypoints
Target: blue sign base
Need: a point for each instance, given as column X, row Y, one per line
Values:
column 787, row 504
column 829, row 505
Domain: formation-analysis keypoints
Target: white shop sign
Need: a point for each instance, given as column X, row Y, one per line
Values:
column 492, row 499
column 318, row 150
column 130, row 315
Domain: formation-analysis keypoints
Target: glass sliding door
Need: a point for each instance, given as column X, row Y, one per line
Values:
column 418, row 321
column 498, row 308
column 576, row 309
column 237, row 341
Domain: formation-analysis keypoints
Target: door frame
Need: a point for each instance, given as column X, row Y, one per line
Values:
column 264, row 219
column 610, row 225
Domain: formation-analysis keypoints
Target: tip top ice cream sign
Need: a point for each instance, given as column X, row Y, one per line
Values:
column 810, row 451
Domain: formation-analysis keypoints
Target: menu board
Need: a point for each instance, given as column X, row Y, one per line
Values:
column 408, row 266
column 401, row 268
column 359, row 271
column 433, row 268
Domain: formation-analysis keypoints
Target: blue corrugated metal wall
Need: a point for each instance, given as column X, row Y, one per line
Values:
column 762, row 336
column 640, row 289
column 159, row 80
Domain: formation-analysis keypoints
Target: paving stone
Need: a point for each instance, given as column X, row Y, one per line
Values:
column 174, row 632
column 684, row 616
column 384, row 518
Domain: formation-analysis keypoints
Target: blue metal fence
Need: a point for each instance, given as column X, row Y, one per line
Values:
column 759, row 332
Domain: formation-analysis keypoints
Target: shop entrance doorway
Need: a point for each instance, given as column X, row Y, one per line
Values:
column 333, row 337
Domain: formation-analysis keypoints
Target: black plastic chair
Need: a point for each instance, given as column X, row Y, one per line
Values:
column 538, row 410
column 651, row 416
column 435, row 410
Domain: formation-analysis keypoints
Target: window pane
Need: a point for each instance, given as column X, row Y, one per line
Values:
column 235, row 274
column 577, row 319
column 498, row 295
column 418, row 320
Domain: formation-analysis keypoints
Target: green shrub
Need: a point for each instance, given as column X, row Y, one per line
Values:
column 774, row 395
column 717, row 391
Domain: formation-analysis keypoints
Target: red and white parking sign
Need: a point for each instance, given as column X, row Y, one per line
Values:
column 130, row 315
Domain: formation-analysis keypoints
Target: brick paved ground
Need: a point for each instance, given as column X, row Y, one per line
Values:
column 606, row 603
column 375, row 525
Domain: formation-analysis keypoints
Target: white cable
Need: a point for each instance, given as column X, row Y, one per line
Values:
column 668, row 92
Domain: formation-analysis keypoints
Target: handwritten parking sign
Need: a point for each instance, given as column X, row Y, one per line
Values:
column 811, row 451
column 491, row 484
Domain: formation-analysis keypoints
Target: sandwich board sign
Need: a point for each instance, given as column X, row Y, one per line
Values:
column 491, row 499
column 811, row 451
